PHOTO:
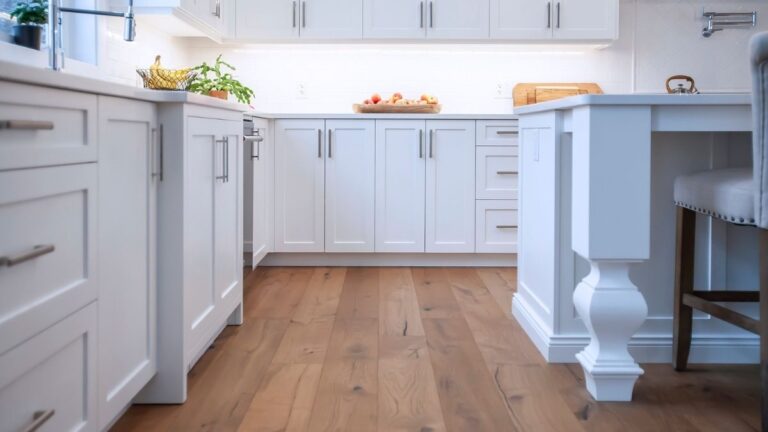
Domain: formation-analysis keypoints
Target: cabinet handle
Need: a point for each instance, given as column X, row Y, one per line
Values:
column 217, row 10
column 157, row 151
column 558, row 14
column 161, row 174
column 320, row 143
column 506, row 172
column 36, row 252
column 39, row 418
column 223, row 176
column 330, row 145
column 549, row 14
column 421, row 143
column 226, row 159
column 303, row 14
column 431, row 143
column 255, row 141
column 421, row 15
column 432, row 14
column 26, row 125
column 294, row 14
column 505, row 226
column 507, row 132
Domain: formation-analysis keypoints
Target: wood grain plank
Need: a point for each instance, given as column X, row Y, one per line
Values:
column 360, row 297
column 433, row 291
column 278, row 293
column 398, row 305
column 502, row 283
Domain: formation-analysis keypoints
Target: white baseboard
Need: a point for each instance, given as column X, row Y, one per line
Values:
column 388, row 260
column 644, row 348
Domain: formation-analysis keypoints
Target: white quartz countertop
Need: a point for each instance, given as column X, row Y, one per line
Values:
column 342, row 116
column 66, row 81
column 638, row 99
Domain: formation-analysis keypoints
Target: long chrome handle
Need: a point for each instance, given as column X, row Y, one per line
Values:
column 421, row 15
column 161, row 174
column 431, row 143
column 330, row 144
column 217, row 10
column 303, row 14
column 558, row 14
column 39, row 418
column 223, row 176
column 226, row 159
column 432, row 14
column 255, row 141
column 505, row 226
column 153, row 155
column 506, row 172
column 549, row 14
column 320, row 143
column 501, row 132
column 26, row 125
column 294, row 14
column 421, row 143
column 37, row 251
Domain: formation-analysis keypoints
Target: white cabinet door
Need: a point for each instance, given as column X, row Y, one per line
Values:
column 349, row 185
column 450, row 209
column 266, row 19
column 299, row 186
column 128, row 156
column 586, row 19
column 394, row 19
column 521, row 19
column 457, row 19
column 331, row 19
column 400, row 185
column 257, row 189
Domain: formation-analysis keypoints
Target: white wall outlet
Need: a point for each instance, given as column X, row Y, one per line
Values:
column 502, row 90
column 301, row 91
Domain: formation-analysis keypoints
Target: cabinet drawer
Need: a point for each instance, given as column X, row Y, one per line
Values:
column 47, row 251
column 497, row 172
column 497, row 133
column 52, row 373
column 496, row 226
column 42, row 126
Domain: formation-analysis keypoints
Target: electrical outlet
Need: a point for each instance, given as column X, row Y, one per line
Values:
column 301, row 91
column 502, row 90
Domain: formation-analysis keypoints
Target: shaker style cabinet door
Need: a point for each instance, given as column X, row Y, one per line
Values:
column 521, row 19
column 585, row 19
column 331, row 19
column 400, row 182
column 266, row 19
column 349, row 185
column 127, row 213
column 258, row 160
column 299, row 186
column 394, row 19
column 450, row 209
column 457, row 19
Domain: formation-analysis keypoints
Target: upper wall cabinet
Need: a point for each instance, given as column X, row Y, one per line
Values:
column 294, row 19
column 419, row 19
column 186, row 18
column 557, row 19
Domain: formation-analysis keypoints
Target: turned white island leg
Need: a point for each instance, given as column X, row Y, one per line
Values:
column 612, row 309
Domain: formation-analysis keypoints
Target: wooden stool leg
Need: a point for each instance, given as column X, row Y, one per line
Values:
column 764, row 325
column 684, row 257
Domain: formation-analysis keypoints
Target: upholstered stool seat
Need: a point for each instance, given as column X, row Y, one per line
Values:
column 727, row 194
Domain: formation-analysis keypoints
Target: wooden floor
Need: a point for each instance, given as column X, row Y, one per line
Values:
column 400, row 349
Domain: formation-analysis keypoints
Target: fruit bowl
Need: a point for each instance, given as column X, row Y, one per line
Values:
column 167, row 79
column 386, row 108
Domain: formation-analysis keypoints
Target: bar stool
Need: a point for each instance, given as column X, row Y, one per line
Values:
column 737, row 196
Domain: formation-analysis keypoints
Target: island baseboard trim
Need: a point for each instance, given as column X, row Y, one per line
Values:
column 389, row 260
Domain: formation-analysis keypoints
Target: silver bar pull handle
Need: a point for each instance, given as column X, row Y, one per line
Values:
column 320, row 143
column 501, row 132
column 226, row 159
column 161, row 174
column 558, row 14
column 303, row 14
column 549, row 14
column 421, row 15
column 432, row 14
column 431, row 143
column 294, row 14
column 217, row 9
column 26, row 125
column 505, row 226
column 506, row 172
column 223, row 176
column 153, row 152
column 36, row 252
column 330, row 144
column 421, row 143
column 39, row 418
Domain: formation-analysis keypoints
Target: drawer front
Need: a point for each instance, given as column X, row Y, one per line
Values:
column 50, row 379
column 497, row 133
column 497, row 173
column 496, row 226
column 43, row 127
column 47, row 265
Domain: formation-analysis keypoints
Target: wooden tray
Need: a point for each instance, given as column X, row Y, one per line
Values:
column 396, row 109
column 531, row 93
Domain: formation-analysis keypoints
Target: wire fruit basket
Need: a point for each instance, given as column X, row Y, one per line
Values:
column 167, row 79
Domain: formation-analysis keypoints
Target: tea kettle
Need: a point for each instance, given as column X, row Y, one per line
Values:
column 681, row 89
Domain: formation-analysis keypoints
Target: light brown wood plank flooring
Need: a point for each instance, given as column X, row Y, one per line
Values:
column 418, row 349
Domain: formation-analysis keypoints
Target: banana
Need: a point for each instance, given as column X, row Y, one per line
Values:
column 169, row 79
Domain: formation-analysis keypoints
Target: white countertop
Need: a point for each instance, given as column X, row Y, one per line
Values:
column 342, row 116
column 49, row 78
column 638, row 99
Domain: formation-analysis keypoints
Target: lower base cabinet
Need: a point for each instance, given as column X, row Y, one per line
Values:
column 496, row 226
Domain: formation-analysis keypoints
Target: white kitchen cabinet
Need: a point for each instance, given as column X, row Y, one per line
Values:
column 586, row 19
column 331, row 19
column 497, row 172
column 349, row 185
column 258, row 187
column 299, row 186
column 127, row 198
column 521, row 19
column 497, row 227
column 450, row 192
column 266, row 19
column 394, row 19
column 186, row 18
column 457, row 19
column 400, row 185
column 200, row 244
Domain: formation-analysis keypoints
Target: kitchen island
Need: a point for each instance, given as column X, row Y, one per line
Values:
column 597, row 230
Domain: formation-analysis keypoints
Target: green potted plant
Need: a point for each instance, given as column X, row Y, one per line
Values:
column 213, row 81
column 30, row 17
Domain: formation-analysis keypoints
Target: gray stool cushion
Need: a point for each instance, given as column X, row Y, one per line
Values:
column 727, row 194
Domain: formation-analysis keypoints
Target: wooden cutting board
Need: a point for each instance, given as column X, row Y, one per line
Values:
column 383, row 108
column 531, row 93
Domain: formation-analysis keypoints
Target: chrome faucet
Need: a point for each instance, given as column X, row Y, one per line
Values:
column 55, row 10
